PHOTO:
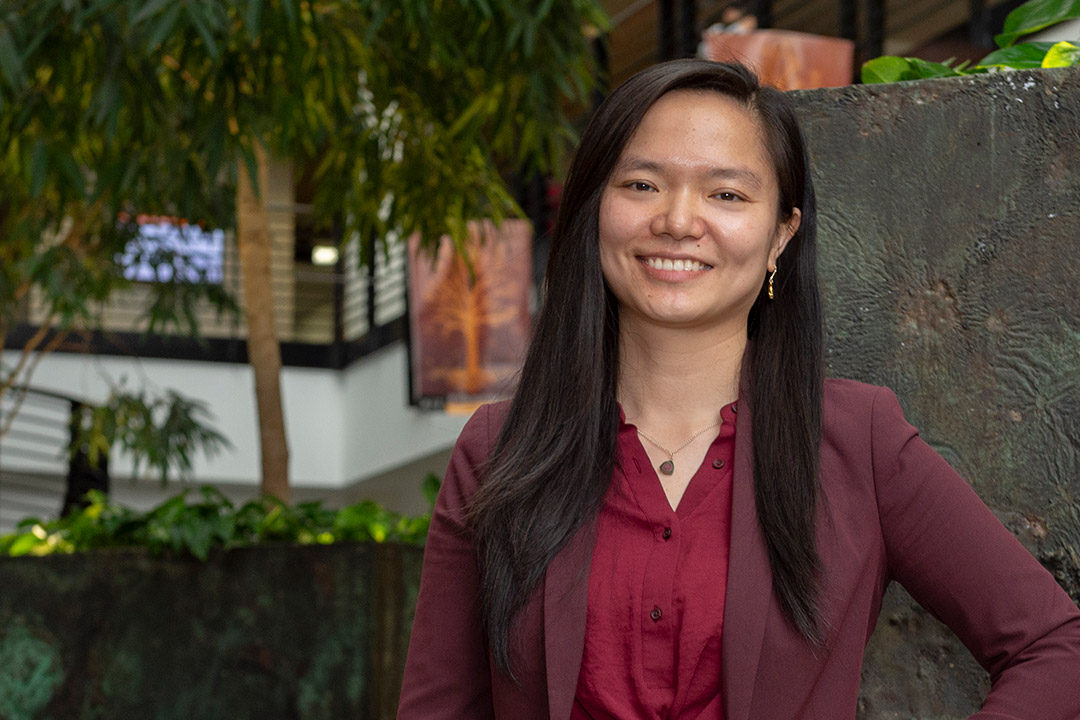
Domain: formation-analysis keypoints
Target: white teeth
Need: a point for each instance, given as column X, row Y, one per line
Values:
column 676, row 265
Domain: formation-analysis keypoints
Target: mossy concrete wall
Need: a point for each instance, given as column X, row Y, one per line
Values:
column 949, row 225
column 949, row 219
column 282, row 633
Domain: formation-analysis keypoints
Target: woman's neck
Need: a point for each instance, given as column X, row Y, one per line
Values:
column 677, row 379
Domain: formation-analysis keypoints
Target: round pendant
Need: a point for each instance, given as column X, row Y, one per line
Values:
column 667, row 467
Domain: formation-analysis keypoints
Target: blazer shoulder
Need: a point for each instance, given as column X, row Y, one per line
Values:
column 473, row 450
column 478, row 436
column 842, row 390
column 853, row 398
column 856, row 411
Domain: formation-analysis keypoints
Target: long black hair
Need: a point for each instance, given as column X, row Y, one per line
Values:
column 554, row 458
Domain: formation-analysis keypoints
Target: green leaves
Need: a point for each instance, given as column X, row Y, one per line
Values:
column 1034, row 16
column 1017, row 57
column 162, row 433
column 889, row 69
column 195, row 523
column 1028, row 18
column 414, row 112
column 1062, row 54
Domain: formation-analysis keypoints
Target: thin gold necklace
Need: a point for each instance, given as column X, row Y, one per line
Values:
column 668, row 466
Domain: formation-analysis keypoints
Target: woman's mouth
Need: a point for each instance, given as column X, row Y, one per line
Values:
column 677, row 265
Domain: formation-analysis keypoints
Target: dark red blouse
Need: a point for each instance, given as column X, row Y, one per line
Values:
column 656, row 590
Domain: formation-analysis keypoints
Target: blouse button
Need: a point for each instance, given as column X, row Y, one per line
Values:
column 718, row 464
column 667, row 533
column 655, row 614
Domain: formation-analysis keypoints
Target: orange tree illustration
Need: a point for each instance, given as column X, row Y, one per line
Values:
column 470, row 304
column 407, row 110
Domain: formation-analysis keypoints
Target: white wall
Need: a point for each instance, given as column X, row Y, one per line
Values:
column 380, row 431
column 1064, row 31
column 342, row 426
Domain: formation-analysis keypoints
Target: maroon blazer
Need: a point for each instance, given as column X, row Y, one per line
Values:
column 892, row 509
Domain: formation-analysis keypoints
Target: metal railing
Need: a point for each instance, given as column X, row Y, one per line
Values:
column 326, row 316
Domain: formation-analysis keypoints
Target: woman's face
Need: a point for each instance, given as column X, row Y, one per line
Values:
column 688, row 220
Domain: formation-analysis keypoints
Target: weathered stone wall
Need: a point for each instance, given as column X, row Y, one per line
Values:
column 281, row 633
column 949, row 223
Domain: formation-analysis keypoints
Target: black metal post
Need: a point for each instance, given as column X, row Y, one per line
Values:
column 848, row 19
column 875, row 29
column 603, row 70
column 688, row 39
column 979, row 31
column 763, row 12
column 371, row 249
column 83, row 475
column 665, row 26
column 337, row 347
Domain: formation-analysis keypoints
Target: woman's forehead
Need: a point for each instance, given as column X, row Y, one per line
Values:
column 706, row 132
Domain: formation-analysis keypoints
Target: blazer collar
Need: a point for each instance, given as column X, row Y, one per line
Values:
column 566, row 594
column 749, row 583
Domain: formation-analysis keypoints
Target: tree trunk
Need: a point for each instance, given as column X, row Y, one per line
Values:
column 264, row 351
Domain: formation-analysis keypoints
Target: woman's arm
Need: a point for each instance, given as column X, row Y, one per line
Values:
column 447, row 673
column 957, row 560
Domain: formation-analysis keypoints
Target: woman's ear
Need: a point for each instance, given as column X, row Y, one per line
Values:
column 784, row 232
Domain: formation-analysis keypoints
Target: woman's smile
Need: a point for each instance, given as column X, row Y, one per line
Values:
column 678, row 265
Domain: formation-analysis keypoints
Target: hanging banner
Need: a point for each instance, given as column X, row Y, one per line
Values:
column 468, row 333
column 786, row 59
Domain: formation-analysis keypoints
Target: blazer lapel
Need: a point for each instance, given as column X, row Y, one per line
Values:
column 566, row 592
column 749, row 583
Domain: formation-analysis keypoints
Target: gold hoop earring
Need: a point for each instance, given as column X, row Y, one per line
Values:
column 771, row 278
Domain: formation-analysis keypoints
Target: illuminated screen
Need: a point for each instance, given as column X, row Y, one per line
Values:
column 169, row 250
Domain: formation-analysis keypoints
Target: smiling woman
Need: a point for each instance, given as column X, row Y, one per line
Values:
column 676, row 516
column 689, row 221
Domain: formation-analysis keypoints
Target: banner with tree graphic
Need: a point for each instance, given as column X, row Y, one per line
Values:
column 469, row 327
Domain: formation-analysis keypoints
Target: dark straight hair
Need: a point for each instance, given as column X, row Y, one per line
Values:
column 554, row 458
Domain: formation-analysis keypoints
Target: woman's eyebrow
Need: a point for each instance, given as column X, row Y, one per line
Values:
column 635, row 164
column 742, row 174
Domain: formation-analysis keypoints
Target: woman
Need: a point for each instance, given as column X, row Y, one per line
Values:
column 676, row 517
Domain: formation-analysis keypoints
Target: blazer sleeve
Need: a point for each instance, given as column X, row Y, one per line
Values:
column 447, row 673
column 958, row 561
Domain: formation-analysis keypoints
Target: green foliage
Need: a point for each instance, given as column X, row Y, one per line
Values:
column 1028, row 18
column 895, row 69
column 161, row 433
column 1025, row 56
column 413, row 111
column 197, row 525
column 1062, row 54
column 1034, row 16
column 89, row 134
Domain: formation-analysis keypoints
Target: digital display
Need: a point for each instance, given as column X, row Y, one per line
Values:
column 170, row 250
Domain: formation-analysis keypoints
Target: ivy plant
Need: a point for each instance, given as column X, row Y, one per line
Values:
column 197, row 523
column 1030, row 17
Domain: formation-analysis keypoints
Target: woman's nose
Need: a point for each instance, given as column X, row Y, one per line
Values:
column 679, row 217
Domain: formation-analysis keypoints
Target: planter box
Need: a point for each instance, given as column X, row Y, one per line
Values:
column 281, row 632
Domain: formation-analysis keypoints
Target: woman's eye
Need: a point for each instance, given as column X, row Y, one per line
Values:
column 641, row 186
column 727, row 196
